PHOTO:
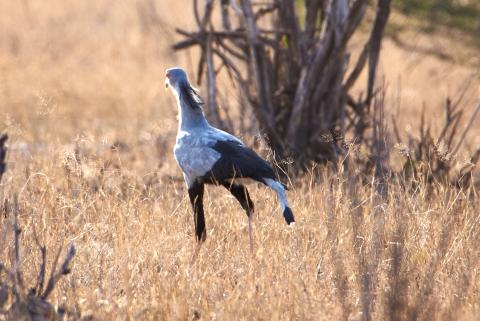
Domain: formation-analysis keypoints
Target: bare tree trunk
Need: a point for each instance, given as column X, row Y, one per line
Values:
column 292, row 70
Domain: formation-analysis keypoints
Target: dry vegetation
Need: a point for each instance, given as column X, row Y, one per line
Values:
column 89, row 158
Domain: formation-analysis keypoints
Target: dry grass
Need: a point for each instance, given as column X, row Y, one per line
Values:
column 80, row 77
column 414, row 254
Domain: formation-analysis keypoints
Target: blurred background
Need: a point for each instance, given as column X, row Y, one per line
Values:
column 73, row 68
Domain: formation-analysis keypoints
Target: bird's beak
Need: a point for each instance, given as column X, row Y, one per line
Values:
column 167, row 79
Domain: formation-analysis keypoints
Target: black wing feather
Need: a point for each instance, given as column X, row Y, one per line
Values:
column 238, row 161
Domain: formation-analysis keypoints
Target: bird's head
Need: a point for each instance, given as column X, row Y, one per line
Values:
column 176, row 78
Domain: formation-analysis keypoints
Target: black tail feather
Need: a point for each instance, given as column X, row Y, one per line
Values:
column 288, row 215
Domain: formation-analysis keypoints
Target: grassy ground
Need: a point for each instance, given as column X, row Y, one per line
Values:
column 90, row 158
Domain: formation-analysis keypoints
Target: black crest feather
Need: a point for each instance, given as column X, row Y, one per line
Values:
column 190, row 95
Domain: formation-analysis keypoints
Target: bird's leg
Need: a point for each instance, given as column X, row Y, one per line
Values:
column 250, row 231
column 240, row 192
column 195, row 191
column 195, row 252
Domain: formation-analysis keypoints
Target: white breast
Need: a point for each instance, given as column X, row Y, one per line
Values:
column 194, row 155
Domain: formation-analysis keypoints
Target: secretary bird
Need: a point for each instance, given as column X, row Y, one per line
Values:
column 208, row 155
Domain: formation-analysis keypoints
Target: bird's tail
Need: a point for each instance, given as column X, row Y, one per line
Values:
column 282, row 197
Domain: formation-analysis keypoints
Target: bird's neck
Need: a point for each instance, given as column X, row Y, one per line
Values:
column 190, row 118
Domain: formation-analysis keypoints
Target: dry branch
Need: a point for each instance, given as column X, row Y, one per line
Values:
column 17, row 302
column 3, row 154
column 434, row 159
